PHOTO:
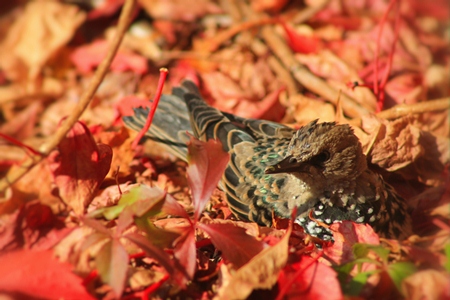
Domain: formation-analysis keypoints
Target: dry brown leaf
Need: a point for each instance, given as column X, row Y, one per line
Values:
column 427, row 285
column 403, row 146
column 260, row 273
column 123, row 154
column 36, row 184
column 250, row 227
column 305, row 109
column 180, row 10
column 42, row 29
column 397, row 142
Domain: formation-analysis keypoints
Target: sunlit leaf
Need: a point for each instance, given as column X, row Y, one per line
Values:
column 39, row 275
column 309, row 279
column 79, row 167
column 139, row 197
column 346, row 234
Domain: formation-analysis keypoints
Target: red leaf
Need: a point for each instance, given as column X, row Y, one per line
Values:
column 22, row 125
column 236, row 245
column 186, row 253
column 79, row 167
column 172, row 207
column 97, row 225
column 33, row 226
column 112, row 265
column 301, row 43
column 38, row 274
column 162, row 257
column 125, row 105
column 105, row 8
column 88, row 57
column 207, row 162
column 346, row 234
column 309, row 279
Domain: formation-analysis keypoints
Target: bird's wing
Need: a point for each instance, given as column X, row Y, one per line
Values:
column 170, row 124
column 253, row 145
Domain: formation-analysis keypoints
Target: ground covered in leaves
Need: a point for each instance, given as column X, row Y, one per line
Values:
column 85, row 215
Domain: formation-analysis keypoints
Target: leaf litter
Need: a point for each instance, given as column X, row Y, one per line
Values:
column 112, row 221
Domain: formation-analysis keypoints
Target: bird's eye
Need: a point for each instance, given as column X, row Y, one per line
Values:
column 322, row 157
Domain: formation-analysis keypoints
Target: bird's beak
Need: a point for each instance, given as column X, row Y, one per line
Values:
column 288, row 165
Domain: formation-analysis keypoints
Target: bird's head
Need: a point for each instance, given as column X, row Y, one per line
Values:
column 323, row 153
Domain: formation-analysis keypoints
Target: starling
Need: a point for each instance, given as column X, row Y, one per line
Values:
column 319, row 168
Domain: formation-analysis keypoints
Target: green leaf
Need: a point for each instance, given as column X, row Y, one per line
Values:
column 447, row 255
column 356, row 284
column 399, row 271
column 159, row 237
column 140, row 198
column 362, row 250
column 353, row 285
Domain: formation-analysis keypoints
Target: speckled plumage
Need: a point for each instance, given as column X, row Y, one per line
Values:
column 320, row 168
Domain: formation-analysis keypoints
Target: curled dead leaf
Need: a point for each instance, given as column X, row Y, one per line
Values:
column 259, row 273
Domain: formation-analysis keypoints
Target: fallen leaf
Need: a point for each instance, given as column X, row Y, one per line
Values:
column 259, row 273
column 309, row 279
column 44, row 27
column 179, row 10
column 397, row 142
column 87, row 57
column 22, row 125
column 112, row 265
column 32, row 226
column 39, row 274
column 79, row 167
column 427, row 285
column 162, row 257
column 236, row 245
column 302, row 43
column 345, row 235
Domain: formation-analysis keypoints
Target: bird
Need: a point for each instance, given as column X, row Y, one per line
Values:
column 319, row 169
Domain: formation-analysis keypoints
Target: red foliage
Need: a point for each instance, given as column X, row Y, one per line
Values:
column 39, row 274
column 308, row 279
column 79, row 167
column 88, row 57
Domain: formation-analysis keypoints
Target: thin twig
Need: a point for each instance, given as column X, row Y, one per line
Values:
column 416, row 108
column 16, row 172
